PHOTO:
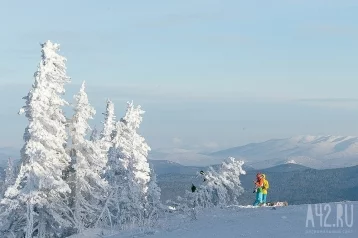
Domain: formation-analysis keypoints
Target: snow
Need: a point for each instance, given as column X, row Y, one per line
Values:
column 292, row 161
column 241, row 221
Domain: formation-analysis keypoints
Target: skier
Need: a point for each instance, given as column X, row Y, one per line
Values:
column 265, row 187
column 258, row 189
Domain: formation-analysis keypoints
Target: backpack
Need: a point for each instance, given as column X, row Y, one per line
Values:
column 266, row 184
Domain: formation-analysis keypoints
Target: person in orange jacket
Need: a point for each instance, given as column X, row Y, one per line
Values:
column 258, row 189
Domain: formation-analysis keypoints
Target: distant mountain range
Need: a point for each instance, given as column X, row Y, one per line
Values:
column 320, row 152
column 312, row 151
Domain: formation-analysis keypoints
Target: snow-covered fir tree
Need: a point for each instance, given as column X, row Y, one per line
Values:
column 116, row 174
column 89, row 187
column 10, row 176
column 219, row 188
column 154, row 206
column 134, row 153
column 36, row 205
column 109, row 125
column 129, row 174
column 108, row 216
column 105, row 139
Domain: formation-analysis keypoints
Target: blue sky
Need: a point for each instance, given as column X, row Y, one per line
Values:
column 210, row 74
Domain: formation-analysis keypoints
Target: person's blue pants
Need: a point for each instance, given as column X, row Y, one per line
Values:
column 258, row 199
column 264, row 197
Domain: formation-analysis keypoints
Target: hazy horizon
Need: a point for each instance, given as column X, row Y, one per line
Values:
column 209, row 74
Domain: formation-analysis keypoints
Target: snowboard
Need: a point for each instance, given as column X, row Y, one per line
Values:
column 275, row 204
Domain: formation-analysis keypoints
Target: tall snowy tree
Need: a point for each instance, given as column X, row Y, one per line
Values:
column 105, row 139
column 89, row 186
column 133, row 152
column 116, row 175
column 129, row 173
column 136, row 156
column 36, row 203
column 154, row 206
column 109, row 125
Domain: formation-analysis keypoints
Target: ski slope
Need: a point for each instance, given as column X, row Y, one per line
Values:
column 236, row 222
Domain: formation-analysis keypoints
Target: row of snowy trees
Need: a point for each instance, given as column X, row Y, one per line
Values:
column 66, row 183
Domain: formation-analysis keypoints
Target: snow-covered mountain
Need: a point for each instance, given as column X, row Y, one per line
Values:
column 284, row 168
column 312, row 151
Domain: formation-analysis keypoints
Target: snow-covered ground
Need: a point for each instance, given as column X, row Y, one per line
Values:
column 235, row 222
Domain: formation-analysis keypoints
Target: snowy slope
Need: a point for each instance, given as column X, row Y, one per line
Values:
column 235, row 222
column 312, row 151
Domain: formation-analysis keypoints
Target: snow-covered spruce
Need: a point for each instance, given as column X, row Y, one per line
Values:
column 37, row 203
column 104, row 139
column 154, row 206
column 219, row 188
column 109, row 125
column 88, row 186
column 134, row 198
